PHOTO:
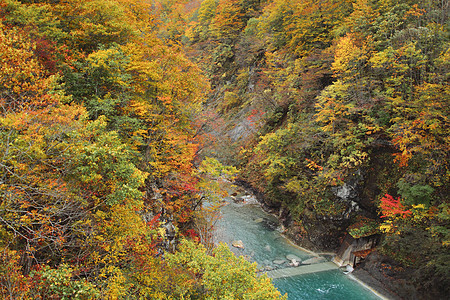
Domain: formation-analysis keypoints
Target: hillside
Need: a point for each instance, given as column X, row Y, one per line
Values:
column 117, row 116
column 336, row 112
column 100, row 188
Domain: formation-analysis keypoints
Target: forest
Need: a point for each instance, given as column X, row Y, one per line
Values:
column 116, row 116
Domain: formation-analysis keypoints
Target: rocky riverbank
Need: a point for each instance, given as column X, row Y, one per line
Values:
column 376, row 271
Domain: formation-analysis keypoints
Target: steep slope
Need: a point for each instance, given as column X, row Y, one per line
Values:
column 337, row 113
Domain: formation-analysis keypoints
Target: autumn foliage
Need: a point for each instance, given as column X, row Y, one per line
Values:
column 321, row 97
column 97, row 151
column 103, row 113
column 392, row 207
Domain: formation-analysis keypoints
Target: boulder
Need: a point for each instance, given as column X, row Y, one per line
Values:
column 238, row 244
column 291, row 257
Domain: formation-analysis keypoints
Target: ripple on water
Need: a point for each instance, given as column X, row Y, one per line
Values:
column 331, row 285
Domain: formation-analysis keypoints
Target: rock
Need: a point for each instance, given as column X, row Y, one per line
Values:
column 314, row 260
column 237, row 199
column 292, row 257
column 345, row 192
column 294, row 263
column 170, row 231
column 279, row 261
column 238, row 244
column 267, row 247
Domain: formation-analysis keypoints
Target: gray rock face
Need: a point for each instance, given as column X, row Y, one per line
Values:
column 170, row 240
column 349, row 190
column 170, row 231
column 346, row 192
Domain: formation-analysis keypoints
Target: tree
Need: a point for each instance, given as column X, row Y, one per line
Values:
column 228, row 21
column 35, row 130
column 306, row 26
column 223, row 275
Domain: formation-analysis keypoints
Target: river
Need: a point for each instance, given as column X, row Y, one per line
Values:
column 263, row 243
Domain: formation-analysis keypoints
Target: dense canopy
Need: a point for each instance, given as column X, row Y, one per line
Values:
column 335, row 110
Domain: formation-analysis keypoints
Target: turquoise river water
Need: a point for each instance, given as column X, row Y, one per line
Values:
column 264, row 244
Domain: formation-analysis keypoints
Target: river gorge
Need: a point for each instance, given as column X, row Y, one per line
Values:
column 298, row 272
